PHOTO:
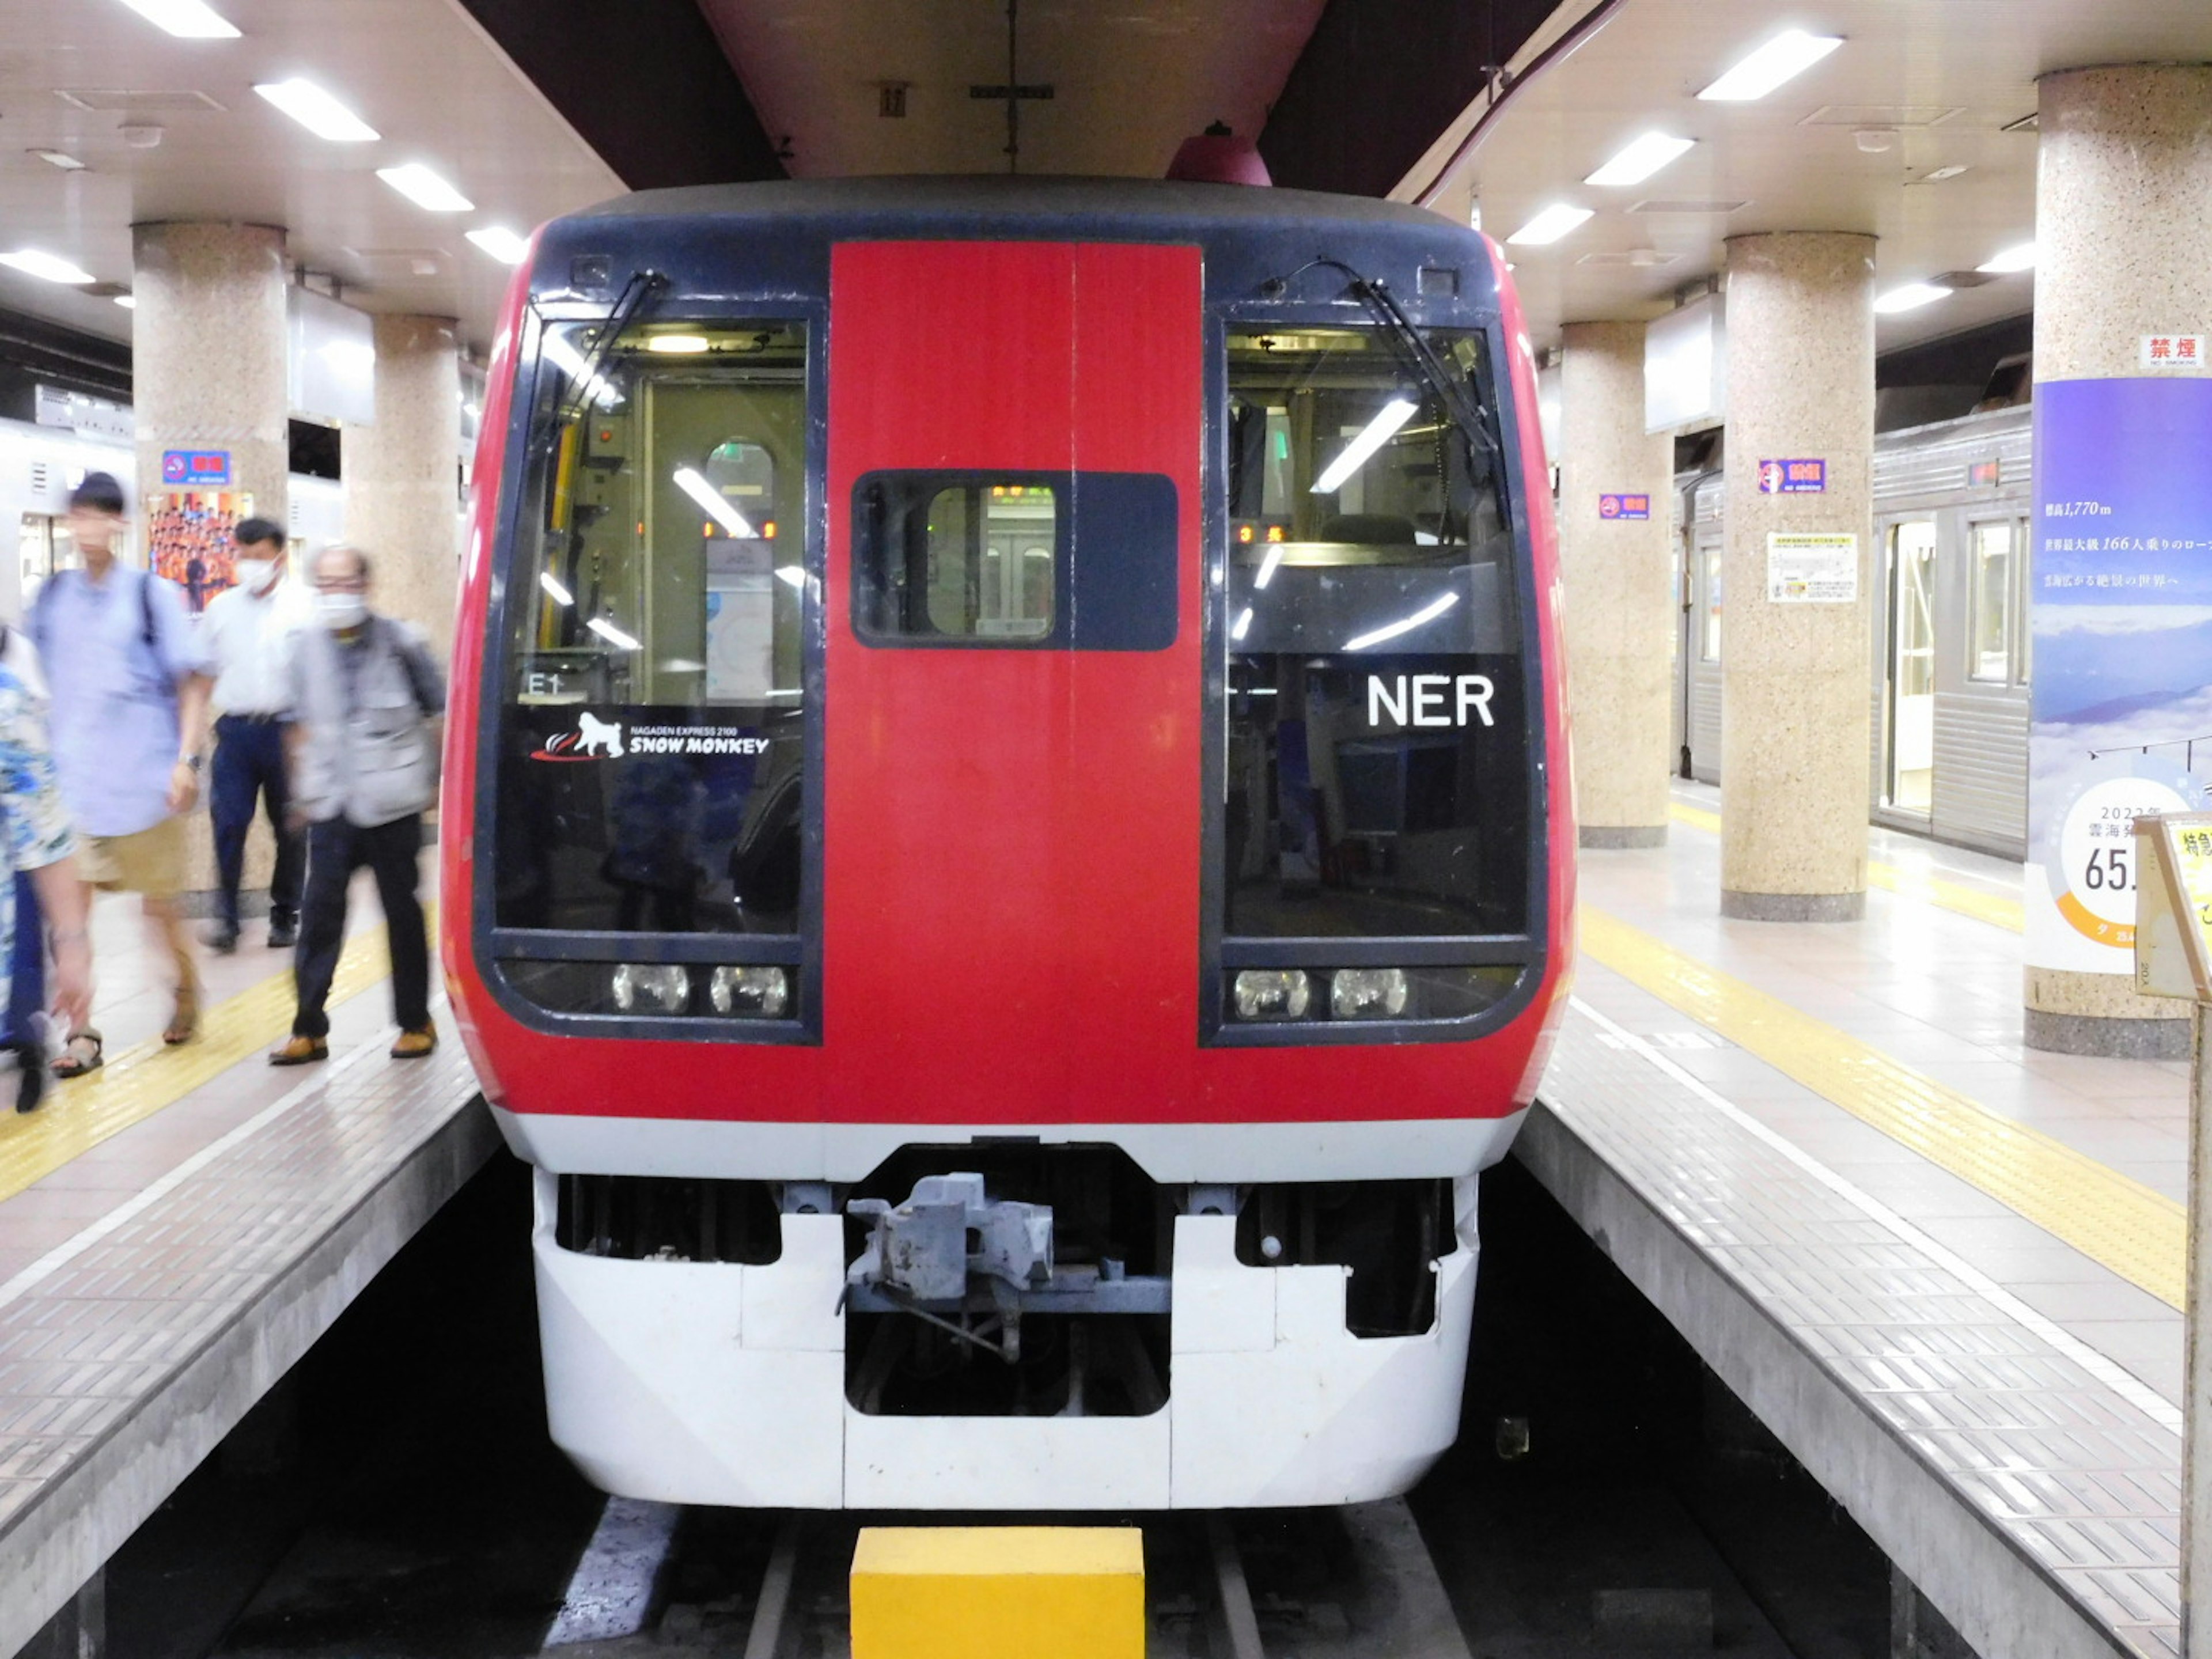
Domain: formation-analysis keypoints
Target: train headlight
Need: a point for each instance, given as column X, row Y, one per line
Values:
column 1367, row 993
column 1272, row 993
column 752, row 992
column 658, row 988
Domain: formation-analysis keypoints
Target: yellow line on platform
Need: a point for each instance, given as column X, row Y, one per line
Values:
column 2137, row 1233
column 143, row 1080
column 1994, row 908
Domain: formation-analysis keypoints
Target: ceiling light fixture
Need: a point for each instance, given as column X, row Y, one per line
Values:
column 128, row 301
column 502, row 244
column 47, row 267
column 1784, row 57
column 554, row 590
column 692, row 483
column 59, row 158
column 316, row 111
column 1910, row 297
column 681, row 344
column 2021, row 256
column 1428, row 612
column 1370, row 438
column 1553, row 222
column 425, row 188
column 570, row 362
column 188, row 19
column 613, row 636
column 1640, row 159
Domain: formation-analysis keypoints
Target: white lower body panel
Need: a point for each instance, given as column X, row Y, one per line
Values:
column 720, row 1384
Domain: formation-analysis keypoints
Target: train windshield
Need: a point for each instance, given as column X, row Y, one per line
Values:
column 651, row 765
column 1377, row 780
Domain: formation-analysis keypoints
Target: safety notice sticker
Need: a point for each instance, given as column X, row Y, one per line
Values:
column 1816, row 568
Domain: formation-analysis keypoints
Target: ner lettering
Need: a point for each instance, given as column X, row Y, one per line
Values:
column 1427, row 702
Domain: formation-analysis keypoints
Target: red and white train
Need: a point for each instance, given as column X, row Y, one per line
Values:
column 1018, row 849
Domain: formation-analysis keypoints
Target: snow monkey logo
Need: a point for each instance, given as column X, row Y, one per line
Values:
column 593, row 739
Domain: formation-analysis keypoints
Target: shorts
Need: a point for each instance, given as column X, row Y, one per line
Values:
column 151, row 861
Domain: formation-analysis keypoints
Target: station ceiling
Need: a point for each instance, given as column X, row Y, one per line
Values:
column 1911, row 130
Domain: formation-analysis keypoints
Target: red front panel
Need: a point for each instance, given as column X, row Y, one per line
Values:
column 1011, row 888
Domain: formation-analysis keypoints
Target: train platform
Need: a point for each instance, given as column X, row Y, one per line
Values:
column 1945, row 1270
column 178, row 1227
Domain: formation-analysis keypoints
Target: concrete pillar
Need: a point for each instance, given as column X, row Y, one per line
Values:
column 403, row 474
column 1793, row 705
column 208, row 372
column 1620, row 613
column 2124, row 259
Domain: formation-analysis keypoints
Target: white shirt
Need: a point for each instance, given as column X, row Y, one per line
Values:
column 248, row 639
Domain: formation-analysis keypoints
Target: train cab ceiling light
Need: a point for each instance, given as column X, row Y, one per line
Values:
column 1553, row 222
column 694, row 485
column 61, row 159
column 425, row 188
column 1784, row 57
column 1909, row 297
column 681, row 345
column 188, row 19
column 502, row 244
column 1639, row 159
column 49, row 267
column 316, row 111
column 1370, row 438
column 2021, row 256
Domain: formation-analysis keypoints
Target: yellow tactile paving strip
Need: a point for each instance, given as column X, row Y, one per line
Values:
column 141, row 1080
column 1995, row 908
column 2136, row 1232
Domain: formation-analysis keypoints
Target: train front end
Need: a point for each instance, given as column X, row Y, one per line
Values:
column 1016, row 857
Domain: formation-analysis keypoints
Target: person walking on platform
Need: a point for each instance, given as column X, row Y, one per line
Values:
column 248, row 631
column 127, row 700
column 41, row 852
column 367, row 703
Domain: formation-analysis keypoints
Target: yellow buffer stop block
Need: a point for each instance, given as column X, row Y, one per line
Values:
column 999, row 1593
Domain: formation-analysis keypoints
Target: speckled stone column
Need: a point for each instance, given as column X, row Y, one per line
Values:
column 1619, row 612
column 207, row 357
column 403, row 474
column 1793, row 715
column 2124, row 249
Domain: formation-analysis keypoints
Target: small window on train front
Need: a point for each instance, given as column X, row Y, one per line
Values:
column 968, row 561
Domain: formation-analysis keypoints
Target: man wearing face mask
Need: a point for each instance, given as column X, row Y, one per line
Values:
column 248, row 633
column 367, row 704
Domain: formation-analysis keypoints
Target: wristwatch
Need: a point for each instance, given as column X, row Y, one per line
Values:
column 193, row 761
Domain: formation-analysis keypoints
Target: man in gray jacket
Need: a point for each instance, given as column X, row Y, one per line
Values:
column 367, row 703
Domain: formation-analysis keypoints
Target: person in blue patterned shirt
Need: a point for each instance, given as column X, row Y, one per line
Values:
column 41, row 843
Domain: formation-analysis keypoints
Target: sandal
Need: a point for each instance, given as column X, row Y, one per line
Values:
column 75, row 1061
column 185, row 1024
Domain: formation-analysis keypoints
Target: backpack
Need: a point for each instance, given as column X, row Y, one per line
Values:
column 146, row 630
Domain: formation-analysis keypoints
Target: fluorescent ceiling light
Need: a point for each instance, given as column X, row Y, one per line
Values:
column 2021, row 256
column 1370, row 438
column 425, row 188
column 1784, row 57
column 1553, row 222
column 685, row 343
column 128, row 301
column 557, row 594
column 188, row 19
column 692, row 485
column 31, row 263
column 791, row 574
column 316, row 111
column 1268, row 567
column 613, row 636
column 60, row 158
column 1242, row 625
column 1911, row 297
column 502, row 244
column 1640, row 159
column 566, row 358
column 1428, row 612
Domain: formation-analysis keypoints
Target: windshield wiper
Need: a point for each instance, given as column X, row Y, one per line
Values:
column 642, row 287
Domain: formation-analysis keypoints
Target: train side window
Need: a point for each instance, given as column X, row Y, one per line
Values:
column 1990, row 607
column 2021, row 631
column 1709, row 646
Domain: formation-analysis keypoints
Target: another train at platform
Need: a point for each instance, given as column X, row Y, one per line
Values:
column 1009, row 853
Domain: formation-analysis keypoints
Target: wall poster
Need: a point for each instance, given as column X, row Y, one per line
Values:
column 188, row 539
column 2121, row 637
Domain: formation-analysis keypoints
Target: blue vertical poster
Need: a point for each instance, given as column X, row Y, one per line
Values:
column 2121, row 639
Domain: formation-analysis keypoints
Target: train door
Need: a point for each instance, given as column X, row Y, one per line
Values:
column 43, row 548
column 1011, row 803
column 1909, row 679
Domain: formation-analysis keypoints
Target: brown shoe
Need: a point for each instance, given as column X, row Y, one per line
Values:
column 300, row 1051
column 418, row 1044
